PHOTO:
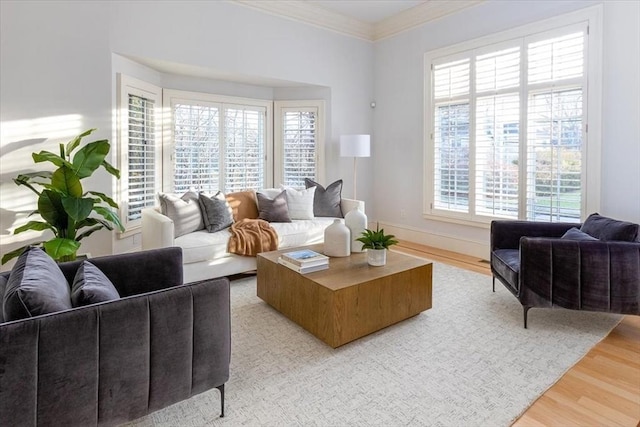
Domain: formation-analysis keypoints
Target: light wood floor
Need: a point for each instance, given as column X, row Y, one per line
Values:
column 602, row 389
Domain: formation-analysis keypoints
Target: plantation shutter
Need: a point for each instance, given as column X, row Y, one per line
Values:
column 244, row 148
column 497, row 118
column 299, row 146
column 555, row 128
column 451, row 90
column 141, row 156
column 196, row 151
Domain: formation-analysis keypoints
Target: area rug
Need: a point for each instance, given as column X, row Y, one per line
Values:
column 466, row 362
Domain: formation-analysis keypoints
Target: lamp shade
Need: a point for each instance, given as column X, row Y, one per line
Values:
column 355, row 146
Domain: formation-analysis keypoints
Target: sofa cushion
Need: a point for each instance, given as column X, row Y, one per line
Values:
column 273, row 210
column 36, row 286
column 574, row 234
column 301, row 232
column 203, row 246
column 507, row 264
column 216, row 212
column 243, row 205
column 608, row 229
column 326, row 202
column 184, row 211
column 300, row 202
column 91, row 286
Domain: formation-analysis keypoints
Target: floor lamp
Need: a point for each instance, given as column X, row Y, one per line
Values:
column 355, row 146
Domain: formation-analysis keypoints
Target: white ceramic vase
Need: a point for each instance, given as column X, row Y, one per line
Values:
column 377, row 257
column 356, row 221
column 337, row 239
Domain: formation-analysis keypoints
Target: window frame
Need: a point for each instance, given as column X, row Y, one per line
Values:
column 131, row 86
column 282, row 107
column 172, row 96
column 592, row 127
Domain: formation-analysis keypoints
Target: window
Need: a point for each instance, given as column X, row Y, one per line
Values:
column 216, row 143
column 139, row 152
column 507, row 126
column 299, row 142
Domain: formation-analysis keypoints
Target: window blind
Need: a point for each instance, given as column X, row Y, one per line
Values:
column 299, row 147
column 244, row 148
column 141, row 156
column 196, row 148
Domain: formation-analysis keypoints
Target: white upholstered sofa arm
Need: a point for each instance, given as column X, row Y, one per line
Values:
column 157, row 230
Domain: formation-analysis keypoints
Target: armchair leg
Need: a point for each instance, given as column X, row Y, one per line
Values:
column 526, row 310
column 221, row 388
column 494, row 283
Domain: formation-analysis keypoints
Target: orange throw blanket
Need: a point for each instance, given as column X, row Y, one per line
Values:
column 252, row 236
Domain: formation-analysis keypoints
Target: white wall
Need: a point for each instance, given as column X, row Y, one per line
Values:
column 56, row 60
column 398, row 117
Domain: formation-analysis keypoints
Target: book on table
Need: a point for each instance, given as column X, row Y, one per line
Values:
column 305, row 258
column 302, row 269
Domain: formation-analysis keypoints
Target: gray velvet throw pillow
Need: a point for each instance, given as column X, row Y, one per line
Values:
column 273, row 210
column 216, row 212
column 3, row 286
column 36, row 286
column 575, row 234
column 91, row 286
column 326, row 202
column 609, row 229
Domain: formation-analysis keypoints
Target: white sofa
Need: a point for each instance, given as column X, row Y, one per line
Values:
column 205, row 254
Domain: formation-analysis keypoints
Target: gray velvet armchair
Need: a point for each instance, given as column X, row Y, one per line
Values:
column 108, row 363
column 542, row 269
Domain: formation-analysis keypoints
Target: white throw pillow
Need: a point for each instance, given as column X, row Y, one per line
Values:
column 300, row 202
column 184, row 211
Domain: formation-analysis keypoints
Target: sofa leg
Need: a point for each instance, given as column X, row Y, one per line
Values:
column 221, row 388
column 526, row 310
column 494, row 283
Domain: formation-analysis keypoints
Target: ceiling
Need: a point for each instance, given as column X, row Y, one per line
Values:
column 371, row 11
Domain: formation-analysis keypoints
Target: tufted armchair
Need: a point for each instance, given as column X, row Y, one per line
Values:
column 546, row 265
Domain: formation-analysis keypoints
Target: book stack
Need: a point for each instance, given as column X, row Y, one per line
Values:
column 304, row 261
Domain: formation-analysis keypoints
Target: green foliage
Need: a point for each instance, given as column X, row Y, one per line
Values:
column 63, row 204
column 376, row 239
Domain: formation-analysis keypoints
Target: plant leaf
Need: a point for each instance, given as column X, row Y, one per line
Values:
column 89, row 232
column 65, row 181
column 47, row 156
column 105, row 198
column 90, row 157
column 87, row 222
column 51, row 210
column 113, row 171
column 109, row 215
column 60, row 247
column 34, row 225
column 73, row 144
column 77, row 208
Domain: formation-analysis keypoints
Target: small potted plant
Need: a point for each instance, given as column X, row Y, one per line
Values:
column 376, row 243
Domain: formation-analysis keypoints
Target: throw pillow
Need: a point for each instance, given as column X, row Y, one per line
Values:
column 91, row 286
column 184, row 211
column 326, row 202
column 604, row 228
column 216, row 212
column 575, row 234
column 300, row 202
column 36, row 286
column 274, row 210
column 243, row 204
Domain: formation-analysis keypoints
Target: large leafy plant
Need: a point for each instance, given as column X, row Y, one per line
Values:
column 376, row 239
column 63, row 204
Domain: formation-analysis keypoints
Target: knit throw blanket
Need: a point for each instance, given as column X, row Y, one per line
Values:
column 252, row 236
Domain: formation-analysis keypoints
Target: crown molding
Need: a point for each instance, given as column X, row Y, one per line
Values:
column 314, row 15
column 418, row 15
column 317, row 16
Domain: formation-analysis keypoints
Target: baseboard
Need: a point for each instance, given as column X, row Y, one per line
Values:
column 450, row 243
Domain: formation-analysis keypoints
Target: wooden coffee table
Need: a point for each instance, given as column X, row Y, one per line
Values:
column 349, row 300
